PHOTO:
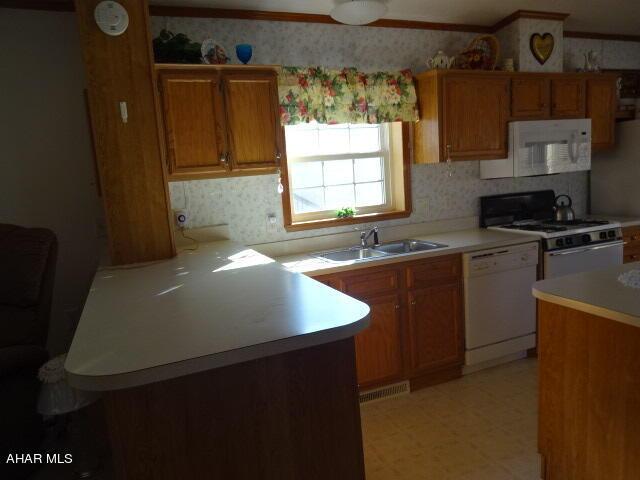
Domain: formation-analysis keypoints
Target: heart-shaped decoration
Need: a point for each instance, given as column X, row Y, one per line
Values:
column 542, row 46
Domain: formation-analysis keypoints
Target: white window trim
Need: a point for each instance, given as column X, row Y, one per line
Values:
column 384, row 152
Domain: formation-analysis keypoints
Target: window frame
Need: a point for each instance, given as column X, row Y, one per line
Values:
column 384, row 152
column 365, row 214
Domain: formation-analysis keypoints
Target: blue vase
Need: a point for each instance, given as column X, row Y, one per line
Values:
column 243, row 52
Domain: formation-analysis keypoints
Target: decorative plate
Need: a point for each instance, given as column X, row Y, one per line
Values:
column 213, row 53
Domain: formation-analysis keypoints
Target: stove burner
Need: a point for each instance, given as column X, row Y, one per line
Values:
column 533, row 227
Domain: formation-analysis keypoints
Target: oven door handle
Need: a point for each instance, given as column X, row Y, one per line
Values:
column 582, row 250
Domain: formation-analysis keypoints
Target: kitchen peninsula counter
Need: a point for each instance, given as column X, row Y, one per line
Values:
column 220, row 363
column 207, row 308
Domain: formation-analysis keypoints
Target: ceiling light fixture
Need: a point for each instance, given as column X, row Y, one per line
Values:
column 358, row 12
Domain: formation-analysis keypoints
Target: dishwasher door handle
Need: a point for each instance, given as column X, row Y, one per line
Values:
column 588, row 249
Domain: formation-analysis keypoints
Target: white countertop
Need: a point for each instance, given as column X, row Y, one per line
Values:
column 598, row 293
column 218, row 305
column 457, row 242
column 623, row 221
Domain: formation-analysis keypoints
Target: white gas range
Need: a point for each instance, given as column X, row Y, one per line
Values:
column 567, row 247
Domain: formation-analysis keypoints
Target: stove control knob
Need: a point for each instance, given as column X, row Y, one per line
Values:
column 569, row 241
column 586, row 238
column 559, row 242
column 603, row 235
column 611, row 233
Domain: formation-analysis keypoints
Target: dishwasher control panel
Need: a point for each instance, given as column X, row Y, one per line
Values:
column 500, row 259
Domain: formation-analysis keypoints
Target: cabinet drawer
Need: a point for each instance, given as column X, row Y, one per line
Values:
column 367, row 284
column 434, row 270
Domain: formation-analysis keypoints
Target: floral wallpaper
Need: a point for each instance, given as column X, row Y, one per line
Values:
column 306, row 44
column 612, row 54
column 244, row 202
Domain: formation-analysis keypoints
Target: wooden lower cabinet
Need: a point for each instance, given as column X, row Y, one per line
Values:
column 379, row 347
column 435, row 326
column 416, row 330
column 631, row 237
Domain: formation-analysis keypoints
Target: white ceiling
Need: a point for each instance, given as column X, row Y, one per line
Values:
column 603, row 16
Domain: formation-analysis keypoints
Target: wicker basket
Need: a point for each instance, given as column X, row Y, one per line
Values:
column 482, row 54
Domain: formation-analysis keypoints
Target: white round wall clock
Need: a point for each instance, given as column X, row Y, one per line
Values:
column 111, row 17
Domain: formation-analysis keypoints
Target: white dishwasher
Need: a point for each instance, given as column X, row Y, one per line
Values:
column 500, row 311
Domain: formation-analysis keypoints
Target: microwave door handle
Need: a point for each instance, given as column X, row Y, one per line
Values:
column 573, row 148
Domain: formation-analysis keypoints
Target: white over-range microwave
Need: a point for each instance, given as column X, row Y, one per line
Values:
column 543, row 147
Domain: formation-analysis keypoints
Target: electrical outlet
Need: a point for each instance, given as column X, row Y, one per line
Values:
column 181, row 218
column 272, row 222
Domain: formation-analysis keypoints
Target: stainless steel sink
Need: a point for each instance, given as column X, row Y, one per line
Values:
column 354, row 253
column 385, row 250
column 407, row 246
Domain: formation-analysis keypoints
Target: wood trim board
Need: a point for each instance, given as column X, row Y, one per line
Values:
column 129, row 156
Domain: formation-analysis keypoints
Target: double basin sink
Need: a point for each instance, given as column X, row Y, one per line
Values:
column 390, row 249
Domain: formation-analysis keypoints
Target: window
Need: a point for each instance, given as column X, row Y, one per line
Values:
column 331, row 167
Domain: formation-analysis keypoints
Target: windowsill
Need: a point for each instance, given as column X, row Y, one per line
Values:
column 337, row 222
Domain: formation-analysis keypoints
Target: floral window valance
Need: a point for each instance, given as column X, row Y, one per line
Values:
column 345, row 96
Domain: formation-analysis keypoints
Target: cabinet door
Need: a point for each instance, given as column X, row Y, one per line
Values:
column 253, row 124
column 379, row 347
column 601, row 109
column 436, row 327
column 530, row 97
column 631, row 237
column 475, row 116
column 567, row 98
column 193, row 123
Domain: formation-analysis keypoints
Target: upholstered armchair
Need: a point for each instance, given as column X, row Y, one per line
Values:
column 27, row 268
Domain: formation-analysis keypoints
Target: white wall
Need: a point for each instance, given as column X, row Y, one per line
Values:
column 46, row 166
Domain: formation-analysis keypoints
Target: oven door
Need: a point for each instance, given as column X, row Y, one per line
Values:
column 582, row 259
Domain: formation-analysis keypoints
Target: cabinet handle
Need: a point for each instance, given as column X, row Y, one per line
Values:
column 413, row 302
column 224, row 159
column 278, row 156
column 397, row 307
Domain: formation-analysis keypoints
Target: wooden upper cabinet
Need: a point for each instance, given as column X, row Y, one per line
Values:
column 436, row 327
column 601, row 109
column 464, row 114
column 475, row 116
column 193, row 123
column 530, row 97
column 253, row 124
column 379, row 347
column 568, row 97
column 220, row 120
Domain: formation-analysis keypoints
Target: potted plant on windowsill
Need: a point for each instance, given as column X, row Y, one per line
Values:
column 346, row 212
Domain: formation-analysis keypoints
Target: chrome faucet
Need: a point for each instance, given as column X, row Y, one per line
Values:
column 364, row 236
